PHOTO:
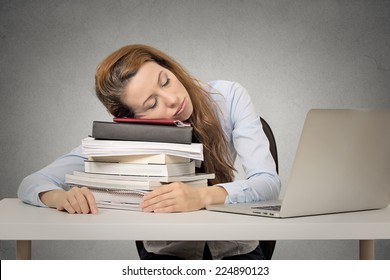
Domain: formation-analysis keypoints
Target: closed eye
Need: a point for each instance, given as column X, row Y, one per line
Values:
column 166, row 82
column 153, row 103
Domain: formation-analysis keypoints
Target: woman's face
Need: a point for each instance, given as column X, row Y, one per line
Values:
column 155, row 93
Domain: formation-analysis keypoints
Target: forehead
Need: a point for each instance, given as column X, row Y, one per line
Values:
column 143, row 84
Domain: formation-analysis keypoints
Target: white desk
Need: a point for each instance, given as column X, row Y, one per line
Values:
column 22, row 222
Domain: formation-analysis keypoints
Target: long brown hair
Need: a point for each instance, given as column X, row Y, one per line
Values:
column 113, row 74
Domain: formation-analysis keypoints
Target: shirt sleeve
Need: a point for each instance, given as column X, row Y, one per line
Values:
column 252, row 148
column 50, row 177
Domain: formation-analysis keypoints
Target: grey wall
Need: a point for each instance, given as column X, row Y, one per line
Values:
column 290, row 55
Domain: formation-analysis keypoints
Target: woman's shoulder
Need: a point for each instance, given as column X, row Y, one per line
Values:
column 229, row 91
column 221, row 86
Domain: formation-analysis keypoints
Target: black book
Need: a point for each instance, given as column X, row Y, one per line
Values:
column 141, row 132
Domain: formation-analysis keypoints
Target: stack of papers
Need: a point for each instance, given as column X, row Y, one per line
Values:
column 92, row 147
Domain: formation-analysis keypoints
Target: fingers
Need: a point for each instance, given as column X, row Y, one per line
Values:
column 174, row 197
column 158, row 199
column 158, row 194
column 90, row 204
column 165, row 206
column 80, row 201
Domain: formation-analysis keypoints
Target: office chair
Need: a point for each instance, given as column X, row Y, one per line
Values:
column 267, row 246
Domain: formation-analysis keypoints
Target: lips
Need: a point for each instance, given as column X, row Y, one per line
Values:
column 181, row 108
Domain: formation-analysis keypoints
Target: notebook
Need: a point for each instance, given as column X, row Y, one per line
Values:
column 342, row 164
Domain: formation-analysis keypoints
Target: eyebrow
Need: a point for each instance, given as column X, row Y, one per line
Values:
column 158, row 82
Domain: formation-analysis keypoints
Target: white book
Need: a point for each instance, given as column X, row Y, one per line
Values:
column 162, row 179
column 123, row 199
column 96, row 182
column 118, row 196
column 118, row 206
column 117, row 199
column 146, row 159
column 171, row 169
column 113, row 184
column 92, row 147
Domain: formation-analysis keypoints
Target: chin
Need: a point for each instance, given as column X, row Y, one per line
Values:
column 185, row 117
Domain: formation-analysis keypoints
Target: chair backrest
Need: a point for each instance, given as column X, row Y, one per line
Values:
column 272, row 142
column 268, row 246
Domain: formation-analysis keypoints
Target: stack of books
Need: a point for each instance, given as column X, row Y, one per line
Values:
column 125, row 161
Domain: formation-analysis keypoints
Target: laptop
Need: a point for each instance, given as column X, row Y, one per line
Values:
column 342, row 164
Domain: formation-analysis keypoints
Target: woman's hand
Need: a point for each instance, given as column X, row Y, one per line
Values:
column 180, row 197
column 76, row 200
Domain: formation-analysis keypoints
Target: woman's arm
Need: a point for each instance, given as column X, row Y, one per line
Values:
column 179, row 197
column 251, row 145
column 75, row 200
column 47, row 188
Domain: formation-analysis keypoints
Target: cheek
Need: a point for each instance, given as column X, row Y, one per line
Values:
column 189, row 109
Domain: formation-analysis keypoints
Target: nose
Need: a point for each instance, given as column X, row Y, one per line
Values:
column 170, row 100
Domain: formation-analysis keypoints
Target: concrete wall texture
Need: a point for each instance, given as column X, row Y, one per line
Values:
column 290, row 55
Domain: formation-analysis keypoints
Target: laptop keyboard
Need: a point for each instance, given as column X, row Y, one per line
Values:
column 270, row 207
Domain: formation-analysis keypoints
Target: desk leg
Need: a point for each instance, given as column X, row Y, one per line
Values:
column 367, row 249
column 23, row 249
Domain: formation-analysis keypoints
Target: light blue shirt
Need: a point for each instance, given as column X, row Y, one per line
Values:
column 247, row 142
